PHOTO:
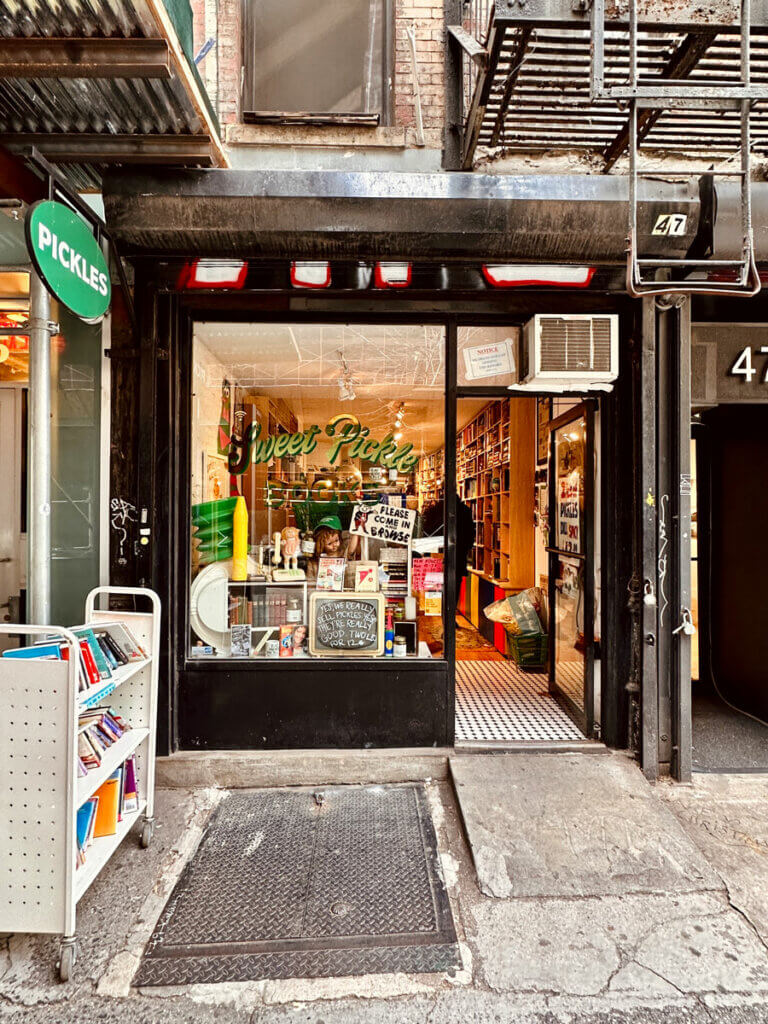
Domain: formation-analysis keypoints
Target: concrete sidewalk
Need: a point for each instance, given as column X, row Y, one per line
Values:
column 607, row 900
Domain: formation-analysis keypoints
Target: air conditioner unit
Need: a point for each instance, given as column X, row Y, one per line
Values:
column 570, row 352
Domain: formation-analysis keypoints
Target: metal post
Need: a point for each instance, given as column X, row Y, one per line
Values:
column 682, row 723
column 649, row 686
column 39, row 444
column 666, row 338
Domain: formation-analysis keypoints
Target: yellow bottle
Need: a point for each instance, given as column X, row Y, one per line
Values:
column 240, row 541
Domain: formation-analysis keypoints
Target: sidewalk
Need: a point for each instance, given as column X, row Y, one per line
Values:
column 600, row 898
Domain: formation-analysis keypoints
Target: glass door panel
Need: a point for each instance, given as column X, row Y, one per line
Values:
column 571, row 564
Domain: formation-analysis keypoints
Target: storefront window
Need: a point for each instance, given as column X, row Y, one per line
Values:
column 308, row 525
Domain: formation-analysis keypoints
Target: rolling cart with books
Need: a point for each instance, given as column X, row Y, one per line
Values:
column 78, row 727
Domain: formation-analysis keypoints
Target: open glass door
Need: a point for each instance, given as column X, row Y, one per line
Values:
column 571, row 565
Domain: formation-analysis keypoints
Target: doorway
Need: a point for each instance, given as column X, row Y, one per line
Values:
column 525, row 615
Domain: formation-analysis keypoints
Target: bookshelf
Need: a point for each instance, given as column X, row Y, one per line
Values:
column 429, row 479
column 495, row 476
column 40, row 790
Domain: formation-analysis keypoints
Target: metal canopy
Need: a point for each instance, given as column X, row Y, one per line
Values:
column 534, row 95
column 385, row 215
column 136, row 82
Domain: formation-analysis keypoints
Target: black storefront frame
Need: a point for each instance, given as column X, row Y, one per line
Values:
column 164, row 450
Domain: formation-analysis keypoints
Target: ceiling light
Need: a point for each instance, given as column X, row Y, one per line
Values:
column 392, row 275
column 214, row 274
column 310, row 275
column 517, row 275
column 398, row 435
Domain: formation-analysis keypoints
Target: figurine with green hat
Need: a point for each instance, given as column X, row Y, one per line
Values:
column 330, row 542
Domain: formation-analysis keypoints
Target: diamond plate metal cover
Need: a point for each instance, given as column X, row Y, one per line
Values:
column 296, row 883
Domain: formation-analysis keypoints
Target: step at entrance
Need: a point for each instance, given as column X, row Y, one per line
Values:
column 303, row 884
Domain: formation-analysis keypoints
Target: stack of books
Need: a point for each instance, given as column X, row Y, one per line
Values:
column 99, row 728
column 99, row 816
column 394, row 562
column 104, row 647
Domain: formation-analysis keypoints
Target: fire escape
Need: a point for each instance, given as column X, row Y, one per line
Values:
column 672, row 91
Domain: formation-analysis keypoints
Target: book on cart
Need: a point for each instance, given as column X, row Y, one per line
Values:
column 98, row 761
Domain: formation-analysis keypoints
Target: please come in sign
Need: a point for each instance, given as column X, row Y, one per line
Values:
column 68, row 259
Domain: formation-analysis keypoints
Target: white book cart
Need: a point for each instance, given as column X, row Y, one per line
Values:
column 40, row 790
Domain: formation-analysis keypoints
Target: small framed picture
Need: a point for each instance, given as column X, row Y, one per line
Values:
column 543, row 416
column 240, row 641
column 366, row 577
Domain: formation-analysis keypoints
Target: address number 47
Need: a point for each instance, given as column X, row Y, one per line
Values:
column 743, row 367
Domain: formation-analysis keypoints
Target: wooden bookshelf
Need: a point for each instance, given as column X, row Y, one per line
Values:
column 495, row 476
column 429, row 478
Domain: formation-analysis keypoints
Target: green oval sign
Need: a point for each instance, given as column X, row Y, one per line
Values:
column 68, row 259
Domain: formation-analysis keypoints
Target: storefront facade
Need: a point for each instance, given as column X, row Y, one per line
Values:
column 215, row 701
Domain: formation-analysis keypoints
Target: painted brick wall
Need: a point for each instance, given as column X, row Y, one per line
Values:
column 426, row 19
column 424, row 16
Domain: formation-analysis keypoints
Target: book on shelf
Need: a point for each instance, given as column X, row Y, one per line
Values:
column 86, row 818
column 330, row 573
column 98, row 817
column 98, row 729
column 108, row 808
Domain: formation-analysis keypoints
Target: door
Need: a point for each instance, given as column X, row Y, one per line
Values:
column 12, row 542
column 571, row 564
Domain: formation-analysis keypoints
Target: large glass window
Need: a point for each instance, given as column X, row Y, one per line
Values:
column 311, row 536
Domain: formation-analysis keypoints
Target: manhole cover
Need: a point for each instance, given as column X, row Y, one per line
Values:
column 354, row 890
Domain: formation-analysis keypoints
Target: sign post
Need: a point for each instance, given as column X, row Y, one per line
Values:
column 67, row 263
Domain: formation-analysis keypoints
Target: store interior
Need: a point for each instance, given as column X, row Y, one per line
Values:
column 318, row 506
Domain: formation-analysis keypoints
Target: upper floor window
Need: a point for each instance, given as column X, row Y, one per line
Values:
column 322, row 59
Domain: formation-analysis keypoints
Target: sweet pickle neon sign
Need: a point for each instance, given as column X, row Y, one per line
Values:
column 351, row 439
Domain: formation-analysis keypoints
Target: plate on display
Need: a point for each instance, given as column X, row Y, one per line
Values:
column 209, row 603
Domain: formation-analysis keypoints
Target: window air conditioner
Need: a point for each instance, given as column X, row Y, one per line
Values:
column 570, row 352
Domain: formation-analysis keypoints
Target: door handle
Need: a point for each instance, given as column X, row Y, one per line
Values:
column 4, row 561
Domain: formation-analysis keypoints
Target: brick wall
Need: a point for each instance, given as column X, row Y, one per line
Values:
column 426, row 18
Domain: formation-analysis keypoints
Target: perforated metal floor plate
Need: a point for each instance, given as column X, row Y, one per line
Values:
column 295, row 883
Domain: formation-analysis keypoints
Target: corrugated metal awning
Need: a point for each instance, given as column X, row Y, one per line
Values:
column 534, row 95
column 87, row 123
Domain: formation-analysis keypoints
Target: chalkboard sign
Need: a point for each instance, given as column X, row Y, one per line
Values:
column 346, row 625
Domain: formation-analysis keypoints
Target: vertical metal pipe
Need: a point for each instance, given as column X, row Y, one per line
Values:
column 39, row 447
column 649, row 682
column 682, row 723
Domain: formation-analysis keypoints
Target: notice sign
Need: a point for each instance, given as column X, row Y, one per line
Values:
column 68, row 259
column 348, row 625
column 569, row 513
column 383, row 522
column 492, row 360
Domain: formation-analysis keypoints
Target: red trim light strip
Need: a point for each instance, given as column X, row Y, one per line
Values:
column 521, row 275
column 392, row 275
column 310, row 275
column 214, row 274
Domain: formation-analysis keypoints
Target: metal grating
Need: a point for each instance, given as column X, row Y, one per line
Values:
column 537, row 93
column 295, row 883
column 93, row 106
column 497, row 702
column 575, row 345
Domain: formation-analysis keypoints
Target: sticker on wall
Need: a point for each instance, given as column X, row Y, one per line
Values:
column 671, row 224
column 490, row 360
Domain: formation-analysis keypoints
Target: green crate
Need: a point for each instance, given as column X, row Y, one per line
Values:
column 528, row 650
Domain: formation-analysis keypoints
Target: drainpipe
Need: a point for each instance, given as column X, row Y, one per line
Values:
column 39, row 447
